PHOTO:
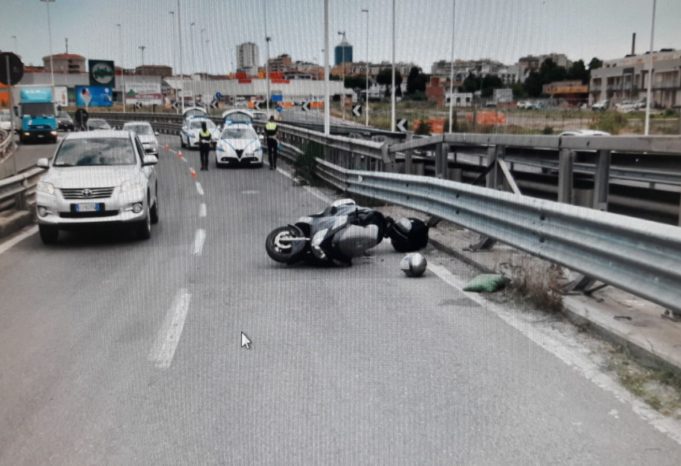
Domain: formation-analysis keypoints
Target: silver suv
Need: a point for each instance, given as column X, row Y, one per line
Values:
column 97, row 177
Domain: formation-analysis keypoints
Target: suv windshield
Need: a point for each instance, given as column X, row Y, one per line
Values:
column 141, row 130
column 92, row 152
column 239, row 133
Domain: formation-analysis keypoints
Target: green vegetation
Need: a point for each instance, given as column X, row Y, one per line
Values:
column 612, row 122
column 305, row 164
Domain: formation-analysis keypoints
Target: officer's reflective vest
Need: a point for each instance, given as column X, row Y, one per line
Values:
column 204, row 136
column 270, row 128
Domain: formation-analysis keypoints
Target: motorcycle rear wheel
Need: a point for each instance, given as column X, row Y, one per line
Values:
column 277, row 246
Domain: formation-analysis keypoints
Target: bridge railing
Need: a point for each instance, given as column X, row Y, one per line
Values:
column 18, row 191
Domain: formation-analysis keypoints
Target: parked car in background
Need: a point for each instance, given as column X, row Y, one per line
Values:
column 5, row 120
column 64, row 121
column 584, row 132
column 97, row 177
column 628, row 106
column 97, row 123
column 601, row 106
column 145, row 133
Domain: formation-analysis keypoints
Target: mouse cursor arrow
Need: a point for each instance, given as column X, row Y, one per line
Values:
column 245, row 341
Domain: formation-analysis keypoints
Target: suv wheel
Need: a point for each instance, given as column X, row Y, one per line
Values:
column 143, row 228
column 48, row 234
column 153, row 213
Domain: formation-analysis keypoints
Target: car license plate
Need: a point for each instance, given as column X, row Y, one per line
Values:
column 88, row 207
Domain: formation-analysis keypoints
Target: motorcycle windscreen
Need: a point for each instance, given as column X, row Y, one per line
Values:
column 354, row 240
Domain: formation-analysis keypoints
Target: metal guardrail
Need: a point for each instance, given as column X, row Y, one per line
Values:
column 6, row 143
column 638, row 256
column 18, row 191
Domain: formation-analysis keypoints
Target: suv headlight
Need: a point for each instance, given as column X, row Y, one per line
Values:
column 45, row 187
column 131, row 185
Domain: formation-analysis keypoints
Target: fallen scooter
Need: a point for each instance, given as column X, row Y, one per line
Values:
column 342, row 232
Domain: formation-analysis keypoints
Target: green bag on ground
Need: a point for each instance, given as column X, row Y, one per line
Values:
column 486, row 283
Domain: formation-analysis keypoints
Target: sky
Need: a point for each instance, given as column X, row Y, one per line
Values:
column 499, row 29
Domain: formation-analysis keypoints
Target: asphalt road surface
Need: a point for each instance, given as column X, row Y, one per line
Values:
column 118, row 351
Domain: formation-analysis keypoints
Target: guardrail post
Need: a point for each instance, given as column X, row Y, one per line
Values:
column 602, row 180
column 492, row 178
column 441, row 162
column 408, row 162
column 566, row 175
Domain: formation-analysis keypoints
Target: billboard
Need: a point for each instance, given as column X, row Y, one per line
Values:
column 102, row 73
column 146, row 93
column 93, row 96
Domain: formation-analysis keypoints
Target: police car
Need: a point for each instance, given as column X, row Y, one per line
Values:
column 239, row 144
column 189, row 134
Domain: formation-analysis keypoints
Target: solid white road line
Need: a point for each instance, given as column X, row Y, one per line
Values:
column 199, row 188
column 162, row 352
column 315, row 192
column 18, row 238
column 199, row 238
column 569, row 352
column 202, row 210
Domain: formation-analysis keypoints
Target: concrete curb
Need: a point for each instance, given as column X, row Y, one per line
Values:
column 582, row 313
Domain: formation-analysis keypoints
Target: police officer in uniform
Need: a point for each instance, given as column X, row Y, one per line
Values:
column 271, row 133
column 204, row 145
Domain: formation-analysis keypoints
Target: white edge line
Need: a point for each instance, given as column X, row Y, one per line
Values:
column 199, row 239
column 18, row 238
column 314, row 191
column 202, row 210
column 560, row 347
column 168, row 338
column 199, row 188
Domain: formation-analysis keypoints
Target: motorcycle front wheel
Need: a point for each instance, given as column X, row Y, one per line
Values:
column 279, row 245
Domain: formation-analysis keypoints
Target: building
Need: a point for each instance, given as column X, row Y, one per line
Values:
column 572, row 92
column 483, row 67
column 280, row 64
column 65, row 63
column 343, row 52
column 163, row 71
column 247, row 58
column 530, row 63
column 627, row 79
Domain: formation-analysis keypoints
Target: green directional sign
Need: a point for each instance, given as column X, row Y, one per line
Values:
column 102, row 73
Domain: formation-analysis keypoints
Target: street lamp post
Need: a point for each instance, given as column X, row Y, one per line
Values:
column 327, row 98
column 179, row 35
column 392, row 86
column 203, row 49
column 342, row 100
column 650, row 72
column 16, row 45
column 193, row 63
column 120, row 51
column 366, row 96
column 49, row 32
column 267, row 61
column 142, row 47
column 451, row 71
column 172, row 41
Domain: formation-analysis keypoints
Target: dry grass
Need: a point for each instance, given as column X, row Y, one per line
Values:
column 536, row 282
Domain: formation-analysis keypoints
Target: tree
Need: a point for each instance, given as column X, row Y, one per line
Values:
column 355, row 82
column 533, row 84
column 384, row 78
column 550, row 72
column 579, row 72
column 471, row 83
column 519, row 91
column 595, row 63
column 416, row 81
column 489, row 83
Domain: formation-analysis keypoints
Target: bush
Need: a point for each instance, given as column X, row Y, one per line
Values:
column 305, row 164
column 417, row 96
column 612, row 122
column 423, row 127
column 547, row 130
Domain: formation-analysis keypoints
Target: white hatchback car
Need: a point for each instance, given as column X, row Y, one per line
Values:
column 146, row 133
column 189, row 134
column 97, row 177
column 238, row 144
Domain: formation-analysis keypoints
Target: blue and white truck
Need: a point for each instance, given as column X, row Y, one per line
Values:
column 38, row 115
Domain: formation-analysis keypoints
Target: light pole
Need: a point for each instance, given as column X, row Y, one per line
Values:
column 142, row 47
column 392, row 86
column 267, row 61
column 16, row 45
column 366, row 92
column 120, row 51
column 203, row 49
column 49, row 32
column 451, row 71
column 172, row 38
column 342, row 99
column 327, row 99
column 650, row 72
column 206, row 63
column 179, row 34
column 193, row 63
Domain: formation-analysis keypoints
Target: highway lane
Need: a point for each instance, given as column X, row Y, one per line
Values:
column 356, row 365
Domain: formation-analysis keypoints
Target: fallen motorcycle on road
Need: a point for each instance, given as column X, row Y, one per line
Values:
column 342, row 232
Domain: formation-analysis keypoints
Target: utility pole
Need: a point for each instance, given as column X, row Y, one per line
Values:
column 49, row 32
column 179, row 33
column 366, row 96
column 267, row 61
column 193, row 62
column 142, row 47
column 327, row 99
column 16, row 45
column 392, row 87
column 120, row 51
column 203, row 50
column 342, row 33
column 451, row 71
column 650, row 72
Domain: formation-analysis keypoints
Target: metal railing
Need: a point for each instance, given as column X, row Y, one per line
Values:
column 18, row 191
column 638, row 256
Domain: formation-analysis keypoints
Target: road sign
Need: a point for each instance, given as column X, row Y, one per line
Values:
column 138, row 105
column 357, row 110
column 16, row 68
column 218, row 95
column 279, row 108
column 402, row 124
column 102, row 73
column 305, row 107
column 256, row 105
